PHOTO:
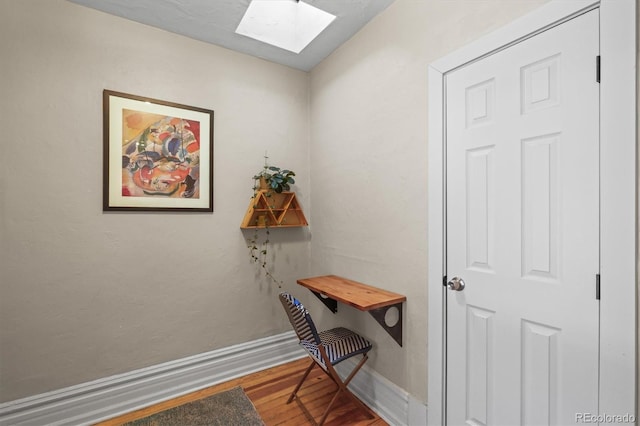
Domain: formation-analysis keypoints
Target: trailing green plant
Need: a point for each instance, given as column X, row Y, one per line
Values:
column 259, row 250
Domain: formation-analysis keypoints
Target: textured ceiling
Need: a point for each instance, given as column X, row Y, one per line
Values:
column 215, row 21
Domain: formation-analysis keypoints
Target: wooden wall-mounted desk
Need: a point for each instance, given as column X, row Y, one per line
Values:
column 331, row 289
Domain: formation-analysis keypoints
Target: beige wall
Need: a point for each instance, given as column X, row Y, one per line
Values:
column 81, row 292
column 369, row 158
column 86, row 294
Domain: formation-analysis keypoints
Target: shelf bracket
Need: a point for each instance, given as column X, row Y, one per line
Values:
column 328, row 302
column 394, row 330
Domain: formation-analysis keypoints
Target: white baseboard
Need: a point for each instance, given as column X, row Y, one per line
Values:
column 105, row 398
column 102, row 399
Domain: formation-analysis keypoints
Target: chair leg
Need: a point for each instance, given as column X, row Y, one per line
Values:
column 306, row 373
column 326, row 411
column 342, row 387
column 355, row 370
column 358, row 403
column 351, row 396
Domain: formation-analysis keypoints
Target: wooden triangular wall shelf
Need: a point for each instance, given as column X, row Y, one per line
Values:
column 268, row 208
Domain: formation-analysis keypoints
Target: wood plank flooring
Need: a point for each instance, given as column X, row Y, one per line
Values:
column 269, row 390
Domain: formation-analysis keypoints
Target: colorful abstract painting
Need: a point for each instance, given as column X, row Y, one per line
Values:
column 158, row 155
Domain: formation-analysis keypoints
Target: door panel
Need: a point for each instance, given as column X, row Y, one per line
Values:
column 479, row 171
column 480, row 368
column 522, row 151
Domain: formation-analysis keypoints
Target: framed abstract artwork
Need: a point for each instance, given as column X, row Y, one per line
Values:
column 158, row 156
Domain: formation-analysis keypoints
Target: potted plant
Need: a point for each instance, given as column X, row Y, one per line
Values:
column 274, row 178
column 270, row 178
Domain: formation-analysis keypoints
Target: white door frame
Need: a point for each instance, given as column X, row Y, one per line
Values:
column 618, row 329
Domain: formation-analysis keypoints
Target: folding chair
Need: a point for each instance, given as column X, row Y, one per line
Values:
column 326, row 349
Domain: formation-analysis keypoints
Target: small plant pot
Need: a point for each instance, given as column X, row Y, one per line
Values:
column 264, row 185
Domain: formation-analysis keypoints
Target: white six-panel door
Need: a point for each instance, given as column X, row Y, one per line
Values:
column 522, row 215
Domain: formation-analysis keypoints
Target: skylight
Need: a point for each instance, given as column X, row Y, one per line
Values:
column 288, row 24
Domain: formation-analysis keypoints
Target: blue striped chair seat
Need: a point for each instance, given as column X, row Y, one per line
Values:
column 340, row 343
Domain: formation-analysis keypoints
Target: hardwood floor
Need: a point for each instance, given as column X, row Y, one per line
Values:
column 269, row 390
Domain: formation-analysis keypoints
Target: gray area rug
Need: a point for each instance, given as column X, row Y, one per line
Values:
column 228, row 408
